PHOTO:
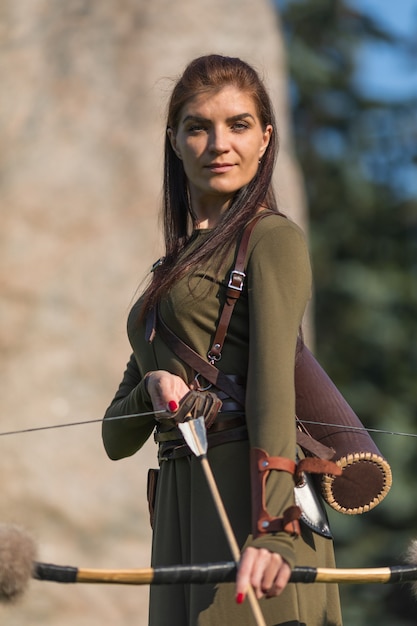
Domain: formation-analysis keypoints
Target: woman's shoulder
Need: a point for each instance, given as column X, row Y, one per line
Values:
column 275, row 227
column 278, row 249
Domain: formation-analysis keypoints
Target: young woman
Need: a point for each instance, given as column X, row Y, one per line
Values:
column 221, row 143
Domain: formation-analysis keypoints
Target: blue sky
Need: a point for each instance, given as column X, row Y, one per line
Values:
column 396, row 16
column 383, row 69
column 389, row 71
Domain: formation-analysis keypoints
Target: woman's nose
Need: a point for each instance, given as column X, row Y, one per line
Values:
column 218, row 140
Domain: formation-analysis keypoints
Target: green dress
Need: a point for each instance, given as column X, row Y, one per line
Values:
column 260, row 347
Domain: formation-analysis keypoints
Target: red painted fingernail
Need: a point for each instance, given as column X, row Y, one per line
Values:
column 173, row 406
column 240, row 597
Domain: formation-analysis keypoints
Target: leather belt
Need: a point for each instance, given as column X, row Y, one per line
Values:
column 174, row 434
column 172, row 447
column 230, row 406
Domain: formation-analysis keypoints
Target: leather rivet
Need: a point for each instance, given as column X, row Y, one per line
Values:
column 265, row 524
column 265, row 463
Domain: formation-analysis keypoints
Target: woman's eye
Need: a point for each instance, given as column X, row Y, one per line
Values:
column 240, row 126
column 195, row 128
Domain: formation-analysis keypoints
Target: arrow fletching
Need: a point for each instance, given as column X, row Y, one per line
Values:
column 194, row 433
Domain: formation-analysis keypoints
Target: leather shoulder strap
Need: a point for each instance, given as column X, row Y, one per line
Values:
column 215, row 376
column 234, row 288
column 205, row 368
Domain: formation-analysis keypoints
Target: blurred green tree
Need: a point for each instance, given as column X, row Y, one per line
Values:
column 359, row 158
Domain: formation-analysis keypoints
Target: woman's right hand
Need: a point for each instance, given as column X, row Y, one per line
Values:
column 166, row 390
column 267, row 572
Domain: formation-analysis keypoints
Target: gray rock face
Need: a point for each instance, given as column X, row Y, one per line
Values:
column 84, row 87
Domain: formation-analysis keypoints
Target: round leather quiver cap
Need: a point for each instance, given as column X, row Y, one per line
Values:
column 326, row 416
column 364, row 483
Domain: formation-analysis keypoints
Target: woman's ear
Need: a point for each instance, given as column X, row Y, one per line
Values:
column 173, row 141
column 265, row 139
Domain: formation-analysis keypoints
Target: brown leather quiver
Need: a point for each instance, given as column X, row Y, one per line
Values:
column 325, row 415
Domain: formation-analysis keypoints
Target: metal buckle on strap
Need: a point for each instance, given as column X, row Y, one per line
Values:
column 214, row 354
column 240, row 279
column 199, row 387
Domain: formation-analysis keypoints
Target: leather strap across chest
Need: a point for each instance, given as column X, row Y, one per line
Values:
column 206, row 368
column 234, row 289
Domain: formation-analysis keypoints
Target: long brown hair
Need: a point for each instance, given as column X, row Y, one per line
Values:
column 209, row 74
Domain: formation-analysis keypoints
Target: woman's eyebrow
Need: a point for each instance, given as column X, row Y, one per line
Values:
column 194, row 118
column 233, row 118
column 240, row 116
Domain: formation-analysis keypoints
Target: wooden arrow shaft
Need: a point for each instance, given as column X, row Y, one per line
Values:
column 194, row 433
column 228, row 531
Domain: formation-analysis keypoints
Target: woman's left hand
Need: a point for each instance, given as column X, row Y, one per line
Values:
column 165, row 390
column 267, row 572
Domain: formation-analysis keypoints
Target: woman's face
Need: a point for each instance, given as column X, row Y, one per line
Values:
column 220, row 141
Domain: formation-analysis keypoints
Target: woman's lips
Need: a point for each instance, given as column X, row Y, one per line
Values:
column 220, row 168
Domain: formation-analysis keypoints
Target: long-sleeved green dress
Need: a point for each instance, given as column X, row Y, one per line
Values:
column 260, row 347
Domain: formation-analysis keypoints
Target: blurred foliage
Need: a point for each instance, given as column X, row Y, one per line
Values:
column 359, row 158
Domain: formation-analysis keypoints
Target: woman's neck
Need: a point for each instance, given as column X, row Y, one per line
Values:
column 206, row 223
column 208, row 211
column 208, row 215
